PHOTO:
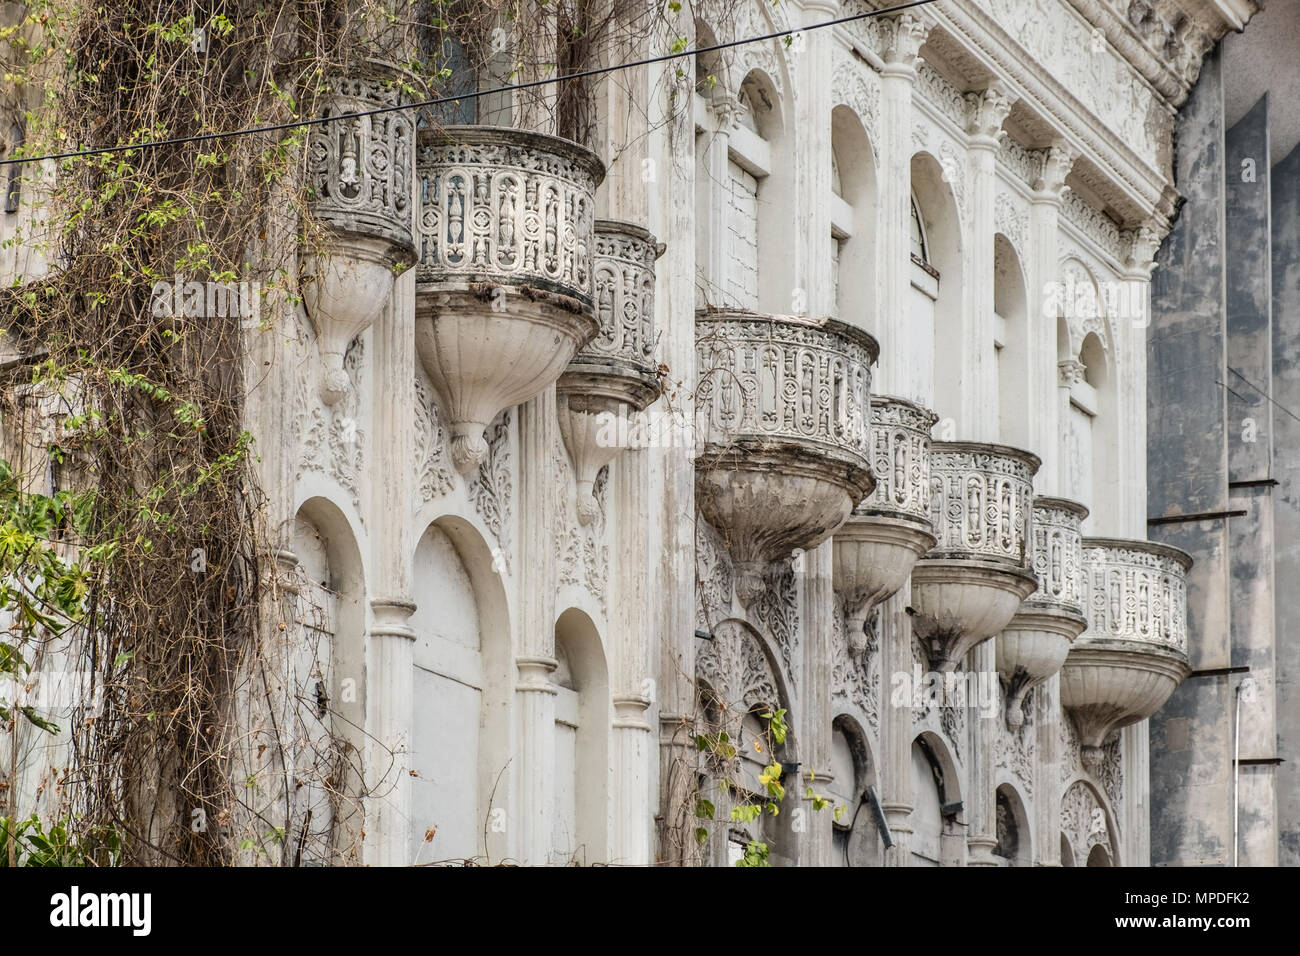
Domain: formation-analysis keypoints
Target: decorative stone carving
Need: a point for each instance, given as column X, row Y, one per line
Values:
column 1095, row 224
column 359, row 170
column 1015, row 748
column 877, row 546
column 855, row 676
column 505, row 279
column 1110, row 772
column 857, row 87
column 737, row 670
column 986, row 110
column 1134, row 653
column 950, row 101
column 490, row 488
column 583, row 552
column 777, row 610
column 1070, row 372
column 1026, row 163
column 1034, row 644
column 435, row 475
column 614, row 375
column 783, row 426
column 1057, row 162
column 969, row 586
column 712, row 578
column 333, row 439
column 1085, row 823
column 1009, row 220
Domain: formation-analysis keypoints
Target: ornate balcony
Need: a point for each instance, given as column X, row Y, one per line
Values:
column 359, row 170
column 505, row 279
column 614, row 376
column 782, row 419
column 970, row 585
column 1033, row 646
column 876, row 548
column 1134, row 653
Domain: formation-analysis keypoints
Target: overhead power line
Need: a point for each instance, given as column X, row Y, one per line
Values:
column 441, row 100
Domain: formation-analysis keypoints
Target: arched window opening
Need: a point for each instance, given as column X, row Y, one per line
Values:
column 462, row 688
column 582, row 722
column 461, row 49
column 1011, row 364
column 927, row 802
column 1098, row 856
column 1013, row 829
column 855, row 836
column 920, row 254
column 938, row 341
column 328, row 713
column 852, row 204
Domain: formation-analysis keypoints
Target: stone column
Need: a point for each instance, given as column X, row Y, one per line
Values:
column 390, row 657
column 1046, row 823
column 979, row 392
column 535, row 641
column 631, row 634
column 1044, row 214
column 816, row 843
column 672, row 465
column 988, row 109
column 897, row 79
column 894, row 269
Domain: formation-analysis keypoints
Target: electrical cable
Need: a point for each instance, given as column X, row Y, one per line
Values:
column 441, row 100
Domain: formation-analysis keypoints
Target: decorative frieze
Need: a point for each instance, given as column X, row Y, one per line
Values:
column 783, row 427
column 614, row 375
column 877, row 547
column 1134, row 653
column 900, row 432
column 1095, row 224
column 1058, row 554
column 1035, row 643
column 950, row 101
column 980, row 501
column 359, row 166
column 507, row 207
column 505, row 281
column 1137, row 592
column 968, row 587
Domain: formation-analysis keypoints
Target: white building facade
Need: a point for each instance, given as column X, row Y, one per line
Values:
column 818, row 371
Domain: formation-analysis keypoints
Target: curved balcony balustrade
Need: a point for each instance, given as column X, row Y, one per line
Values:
column 876, row 548
column 505, row 279
column 1033, row 646
column 359, row 170
column 1134, row 653
column 615, row 375
column 968, row 587
column 783, row 425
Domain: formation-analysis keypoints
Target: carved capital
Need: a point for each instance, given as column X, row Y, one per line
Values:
column 1070, row 372
column 1142, row 245
column 988, row 109
column 903, row 38
column 1057, row 162
column 728, row 109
